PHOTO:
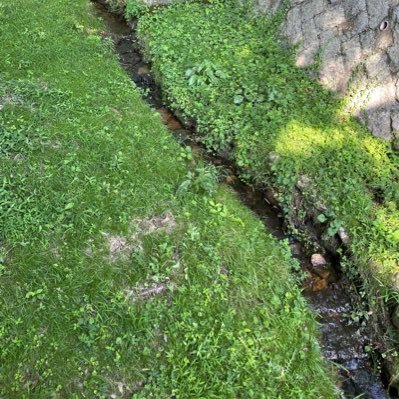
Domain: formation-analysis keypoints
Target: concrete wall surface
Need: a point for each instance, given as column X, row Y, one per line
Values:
column 358, row 45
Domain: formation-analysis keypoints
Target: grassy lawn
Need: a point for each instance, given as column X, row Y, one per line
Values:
column 113, row 282
column 228, row 70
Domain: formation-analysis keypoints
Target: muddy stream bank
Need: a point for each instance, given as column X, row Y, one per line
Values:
column 345, row 336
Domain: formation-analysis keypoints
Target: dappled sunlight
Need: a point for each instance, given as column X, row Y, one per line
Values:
column 340, row 141
column 386, row 235
column 300, row 139
column 352, row 172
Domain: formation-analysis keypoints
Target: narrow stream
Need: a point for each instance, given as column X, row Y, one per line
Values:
column 344, row 339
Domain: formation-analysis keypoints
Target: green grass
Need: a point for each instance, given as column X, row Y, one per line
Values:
column 85, row 164
column 230, row 72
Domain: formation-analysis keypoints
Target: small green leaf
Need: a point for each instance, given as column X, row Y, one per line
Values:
column 238, row 99
column 70, row 205
column 192, row 80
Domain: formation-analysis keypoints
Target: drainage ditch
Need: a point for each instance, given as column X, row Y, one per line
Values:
column 345, row 336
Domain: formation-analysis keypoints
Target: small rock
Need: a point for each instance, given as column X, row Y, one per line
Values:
column 343, row 235
column 304, row 182
column 318, row 260
column 273, row 157
column 270, row 197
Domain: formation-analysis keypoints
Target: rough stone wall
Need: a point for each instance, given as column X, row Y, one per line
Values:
column 358, row 45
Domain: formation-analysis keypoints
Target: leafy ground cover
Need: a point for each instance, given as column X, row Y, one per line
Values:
column 228, row 70
column 126, row 272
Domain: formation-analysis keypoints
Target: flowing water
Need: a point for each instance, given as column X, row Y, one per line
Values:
column 345, row 336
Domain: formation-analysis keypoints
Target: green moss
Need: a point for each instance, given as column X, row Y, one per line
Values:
column 84, row 164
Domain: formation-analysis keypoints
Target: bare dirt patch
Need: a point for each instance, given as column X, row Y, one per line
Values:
column 8, row 99
column 120, row 247
column 145, row 293
column 166, row 222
